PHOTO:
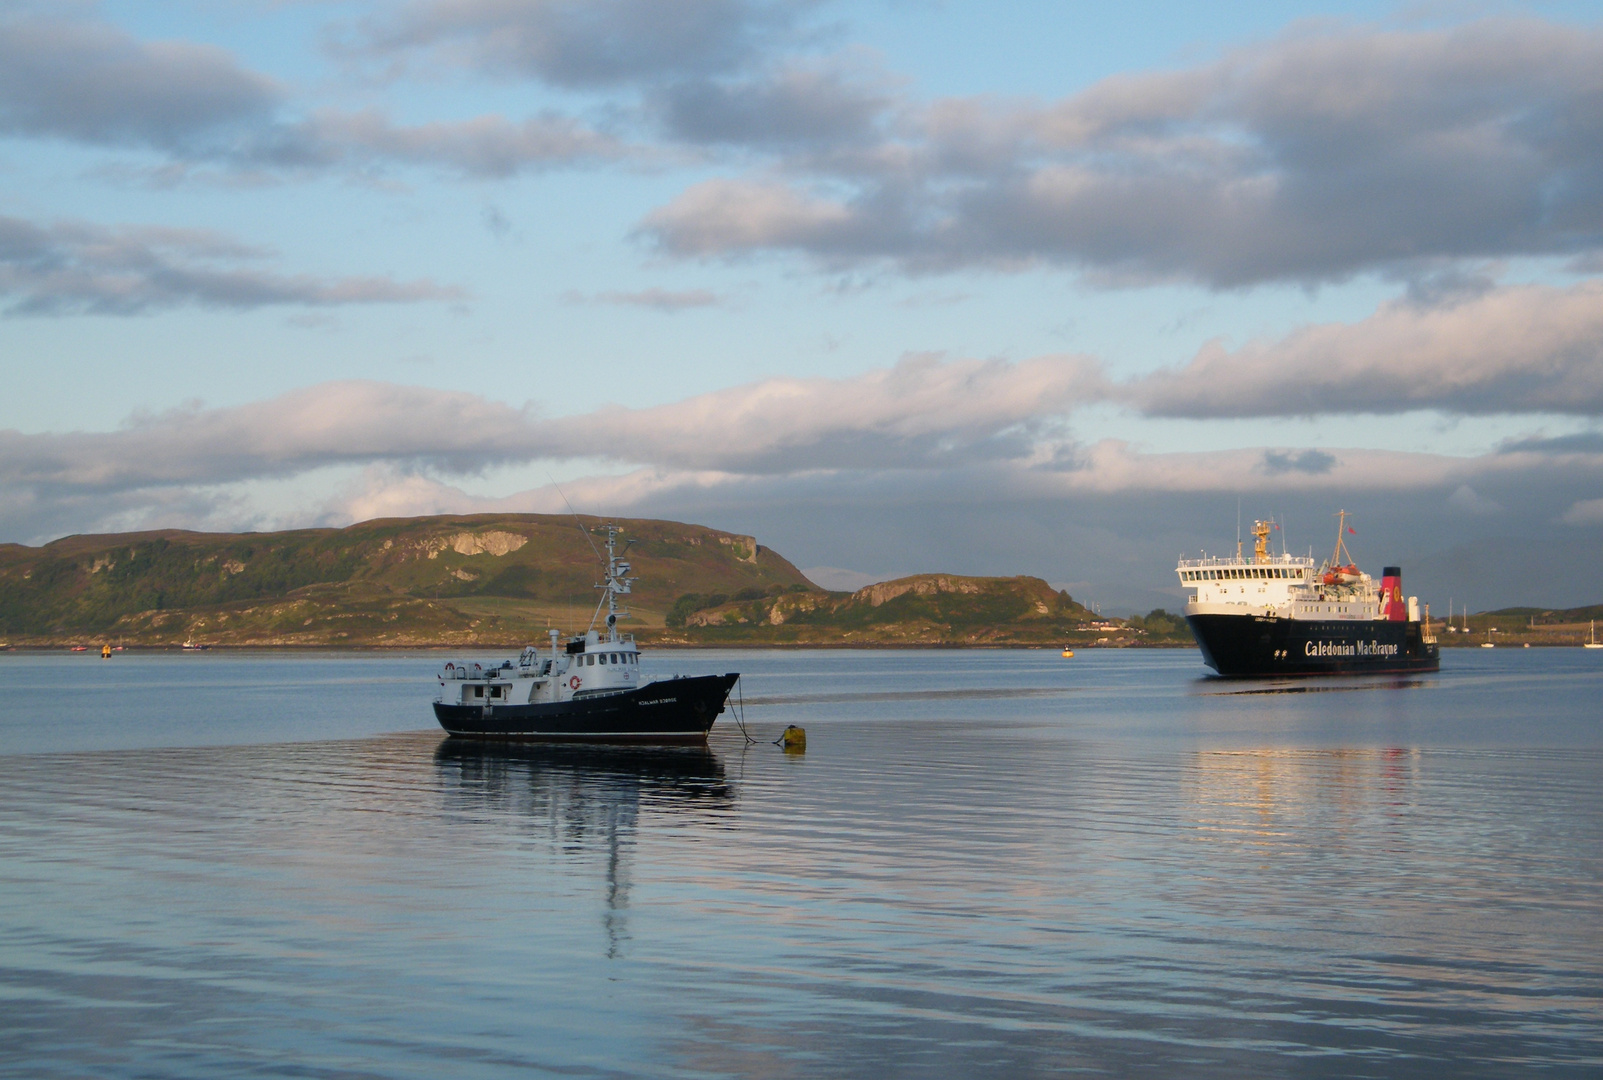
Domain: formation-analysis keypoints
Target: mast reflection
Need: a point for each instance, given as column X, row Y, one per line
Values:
column 588, row 797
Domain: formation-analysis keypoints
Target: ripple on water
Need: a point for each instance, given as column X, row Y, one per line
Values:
column 1121, row 875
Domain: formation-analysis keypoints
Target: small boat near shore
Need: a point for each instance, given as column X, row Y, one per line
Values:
column 584, row 689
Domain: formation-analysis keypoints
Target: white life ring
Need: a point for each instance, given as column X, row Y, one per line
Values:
column 573, row 683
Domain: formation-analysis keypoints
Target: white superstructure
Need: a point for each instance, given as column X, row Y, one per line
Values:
column 1284, row 586
column 585, row 666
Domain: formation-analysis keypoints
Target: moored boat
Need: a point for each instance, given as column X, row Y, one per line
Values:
column 587, row 688
column 1271, row 615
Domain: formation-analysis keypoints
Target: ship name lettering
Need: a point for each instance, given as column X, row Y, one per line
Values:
column 1361, row 648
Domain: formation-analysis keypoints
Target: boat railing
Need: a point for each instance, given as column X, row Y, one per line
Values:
column 1209, row 561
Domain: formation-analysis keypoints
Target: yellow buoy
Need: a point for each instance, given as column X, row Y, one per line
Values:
column 794, row 740
column 1068, row 652
column 105, row 652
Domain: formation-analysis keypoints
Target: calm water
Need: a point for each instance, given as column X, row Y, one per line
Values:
column 987, row 863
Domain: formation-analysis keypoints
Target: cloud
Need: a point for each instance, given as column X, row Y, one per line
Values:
column 795, row 106
column 328, row 424
column 1582, row 442
column 657, row 299
column 1311, row 462
column 1470, row 501
column 956, row 465
column 1584, row 512
column 927, row 430
column 926, row 415
column 69, row 267
column 489, row 146
column 920, row 413
column 1309, row 158
column 724, row 216
column 586, row 43
column 94, row 83
column 1527, row 348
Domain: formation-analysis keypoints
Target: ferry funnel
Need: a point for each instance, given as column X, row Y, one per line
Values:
column 1392, row 602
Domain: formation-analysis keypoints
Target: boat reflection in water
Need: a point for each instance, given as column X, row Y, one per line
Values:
column 1296, row 800
column 588, row 797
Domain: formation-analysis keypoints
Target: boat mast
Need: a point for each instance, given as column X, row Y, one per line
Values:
column 1341, row 544
column 617, row 583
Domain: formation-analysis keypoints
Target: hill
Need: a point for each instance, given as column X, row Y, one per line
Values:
column 442, row 580
column 926, row 609
column 1521, row 626
column 501, row 580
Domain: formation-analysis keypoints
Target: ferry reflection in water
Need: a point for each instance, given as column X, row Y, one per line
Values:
column 1269, row 795
column 588, row 798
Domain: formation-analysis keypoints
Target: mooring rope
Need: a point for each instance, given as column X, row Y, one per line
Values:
column 740, row 709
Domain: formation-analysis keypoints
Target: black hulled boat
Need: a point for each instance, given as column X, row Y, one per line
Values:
column 586, row 689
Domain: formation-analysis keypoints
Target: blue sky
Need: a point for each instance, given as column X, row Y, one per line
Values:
column 897, row 286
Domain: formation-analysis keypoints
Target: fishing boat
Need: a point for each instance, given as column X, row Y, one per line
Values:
column 586, row 688
column 1280, row 614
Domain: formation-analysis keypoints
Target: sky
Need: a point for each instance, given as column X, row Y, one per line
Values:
column 896, row 286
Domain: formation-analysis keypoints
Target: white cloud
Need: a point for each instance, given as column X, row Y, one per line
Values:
column 922, row 412
column 1312, row 157
column 1514, row 349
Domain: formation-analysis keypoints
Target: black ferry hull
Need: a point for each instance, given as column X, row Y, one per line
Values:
column 1265, row 646
column 670, row 711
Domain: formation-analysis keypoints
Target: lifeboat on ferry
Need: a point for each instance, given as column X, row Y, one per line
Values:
column 1342, row 575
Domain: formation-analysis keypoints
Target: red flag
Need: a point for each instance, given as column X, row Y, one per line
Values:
column 1352, row 530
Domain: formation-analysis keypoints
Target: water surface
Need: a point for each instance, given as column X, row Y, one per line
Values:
column 987, row 863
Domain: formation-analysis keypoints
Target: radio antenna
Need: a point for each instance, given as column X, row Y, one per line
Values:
column 585, row 532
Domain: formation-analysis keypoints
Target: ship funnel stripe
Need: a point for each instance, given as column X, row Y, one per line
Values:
column 1392, row 571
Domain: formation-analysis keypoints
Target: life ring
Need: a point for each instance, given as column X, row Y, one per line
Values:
column 573, row 683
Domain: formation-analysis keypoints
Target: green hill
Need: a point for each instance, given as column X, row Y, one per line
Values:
column 501, row 580
column 492, row 578
column 927, row 609
column 1521, row 626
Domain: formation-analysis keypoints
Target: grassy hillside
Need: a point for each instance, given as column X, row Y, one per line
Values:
column 1523, row 625
column 927, row 609
column 502, row 580
column 499, row 578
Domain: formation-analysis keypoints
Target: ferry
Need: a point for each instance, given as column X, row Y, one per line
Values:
column 585, row 689
column 1280, row 614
